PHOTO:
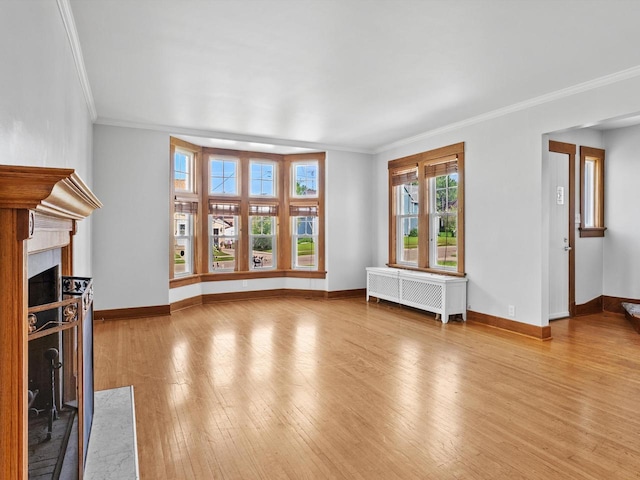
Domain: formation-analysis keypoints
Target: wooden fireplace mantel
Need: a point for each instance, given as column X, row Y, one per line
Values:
column 38, row 210
column 58, row 192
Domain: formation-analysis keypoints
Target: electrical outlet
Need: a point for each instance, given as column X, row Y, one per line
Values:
column 512, row 311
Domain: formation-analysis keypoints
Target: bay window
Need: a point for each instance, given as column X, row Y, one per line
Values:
column 239, row 214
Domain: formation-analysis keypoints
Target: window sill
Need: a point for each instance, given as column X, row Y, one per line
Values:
column 592, row 232
column 427, row 270
column 218, row 277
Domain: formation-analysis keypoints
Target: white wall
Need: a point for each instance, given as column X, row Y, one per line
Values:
column 44, row 119
column 506, row 195
column 349, row 220
column 588, row 250
column 622, row 200
column 131, row 231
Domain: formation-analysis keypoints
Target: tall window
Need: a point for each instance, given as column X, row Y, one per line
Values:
column 303, row 210
column 248, row 214
column 184, row 209
column 426, row 224
column 592, row 192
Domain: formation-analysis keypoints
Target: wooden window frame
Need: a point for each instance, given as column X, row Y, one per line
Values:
column 282, row 200
column 185, row 197
column 423, row 161
column 598, row 229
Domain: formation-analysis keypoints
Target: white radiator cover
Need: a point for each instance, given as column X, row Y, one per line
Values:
column 441, row 294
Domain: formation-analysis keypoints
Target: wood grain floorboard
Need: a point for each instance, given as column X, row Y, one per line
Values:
column 344, row 389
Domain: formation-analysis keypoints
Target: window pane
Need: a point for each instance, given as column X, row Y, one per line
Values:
column 445, row 216
column 409, row 240
column 182, row 168
column 409, row 200
column 223, row 242
column 305, row 179
column 224, row 178
column 304, row 242
column 183, row 247
column 262, row 179
column 262, row 243
column 589, row 193
column 408, row 207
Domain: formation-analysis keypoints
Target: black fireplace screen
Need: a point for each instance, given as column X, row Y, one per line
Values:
column 60, row 375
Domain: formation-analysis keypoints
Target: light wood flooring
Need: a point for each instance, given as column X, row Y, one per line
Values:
column 320, row 389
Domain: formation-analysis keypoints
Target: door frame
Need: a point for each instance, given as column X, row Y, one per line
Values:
column 570, row 150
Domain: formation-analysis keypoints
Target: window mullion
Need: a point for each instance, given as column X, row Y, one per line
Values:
column 423, row 219
column 243, row 231
column 284, row 239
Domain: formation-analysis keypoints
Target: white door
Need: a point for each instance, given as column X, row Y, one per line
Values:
column 559, row 236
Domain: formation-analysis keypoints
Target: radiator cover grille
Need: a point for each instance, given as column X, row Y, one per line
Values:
column 421, row 293
column 382, row 285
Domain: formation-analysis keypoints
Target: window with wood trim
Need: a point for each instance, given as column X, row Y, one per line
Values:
column 246, row 214
column 426, row 211
column 184, row 208
column 591, row 192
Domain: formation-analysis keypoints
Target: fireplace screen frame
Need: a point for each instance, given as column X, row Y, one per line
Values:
column 73, row 329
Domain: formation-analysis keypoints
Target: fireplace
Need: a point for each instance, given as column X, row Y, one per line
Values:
column 46, row 359
column 59, row 311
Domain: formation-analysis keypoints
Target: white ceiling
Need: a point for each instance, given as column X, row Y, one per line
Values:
column 354, row 74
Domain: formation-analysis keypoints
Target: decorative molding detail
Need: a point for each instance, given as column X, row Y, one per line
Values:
column 129, row 313
column 57, row 192
column 76, row 50
column 312, row 146
column 516, row 107
column 541, row 333
column 591, row 307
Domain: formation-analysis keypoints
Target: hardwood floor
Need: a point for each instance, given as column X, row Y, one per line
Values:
column 297, row 388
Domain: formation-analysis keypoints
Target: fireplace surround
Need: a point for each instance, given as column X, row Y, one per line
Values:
column 39, row 208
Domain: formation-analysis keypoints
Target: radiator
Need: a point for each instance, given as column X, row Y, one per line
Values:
column 443, row 295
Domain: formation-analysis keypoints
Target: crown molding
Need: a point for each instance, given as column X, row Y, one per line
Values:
column 516, row 107
column 229, row 136
column 72, row 34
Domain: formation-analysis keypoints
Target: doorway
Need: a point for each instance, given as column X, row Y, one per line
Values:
column 561, row 213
